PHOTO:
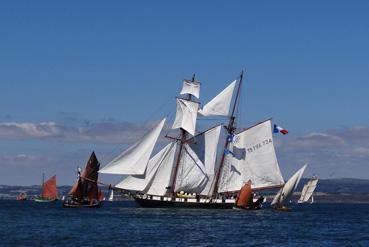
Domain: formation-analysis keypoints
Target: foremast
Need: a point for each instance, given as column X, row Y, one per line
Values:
column 182, row 140
column 231, row 129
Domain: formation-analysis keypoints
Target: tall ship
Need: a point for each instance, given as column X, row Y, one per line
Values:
column 308, row 191
column 203, row 169
column 85, row 192
column 49, row 191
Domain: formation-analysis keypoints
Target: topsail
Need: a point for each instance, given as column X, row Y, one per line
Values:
column 186, row 115
column 219, row 105
column 191, row 87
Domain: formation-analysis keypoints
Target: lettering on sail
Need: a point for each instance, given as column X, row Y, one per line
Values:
column 259, row 145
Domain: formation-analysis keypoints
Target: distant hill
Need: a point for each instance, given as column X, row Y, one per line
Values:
column 340, row 186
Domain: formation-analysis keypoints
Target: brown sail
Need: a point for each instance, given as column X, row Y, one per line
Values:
column 244, row 197
column 49, row 189
column 86, row 186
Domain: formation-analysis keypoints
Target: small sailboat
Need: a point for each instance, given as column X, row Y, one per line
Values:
column 111, row 197
column 85, row 192
column 281, row 199
column 22, row 196
column 49, row 191
column 245, row 198
column 308, row 190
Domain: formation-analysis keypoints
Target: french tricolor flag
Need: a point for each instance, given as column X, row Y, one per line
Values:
column 278, row 129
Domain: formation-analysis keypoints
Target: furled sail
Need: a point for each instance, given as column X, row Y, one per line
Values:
column 133, row 161
column 191, row 87
column 86, row 186
column 142, row 182
column 186, row 115
column 191, row 175
column 251, row 156
column 49, row 189
column 308, row 190
column 285, row 193
column 205, row 146
column 219, row 105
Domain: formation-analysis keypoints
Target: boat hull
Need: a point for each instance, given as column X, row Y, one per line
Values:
column 149, row 203
column 85, row 204
column 282, row 209
column 42, row 200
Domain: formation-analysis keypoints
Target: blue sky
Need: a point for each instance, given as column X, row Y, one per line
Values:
column 88, row 63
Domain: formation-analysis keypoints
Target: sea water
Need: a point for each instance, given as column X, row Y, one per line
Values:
column 26, row 223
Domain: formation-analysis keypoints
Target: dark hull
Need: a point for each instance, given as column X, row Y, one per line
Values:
column 147, row 203
column 86, row 204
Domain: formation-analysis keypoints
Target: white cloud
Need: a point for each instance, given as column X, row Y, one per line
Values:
column 343, row 152
column 91, row 132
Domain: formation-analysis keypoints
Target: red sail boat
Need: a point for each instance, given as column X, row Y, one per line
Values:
column 85, row 192
column 49, row 192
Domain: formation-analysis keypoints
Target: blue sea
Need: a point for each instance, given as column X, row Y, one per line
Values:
column 124, row 224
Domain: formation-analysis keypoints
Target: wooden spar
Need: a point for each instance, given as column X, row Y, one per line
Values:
column 230, row 129
column 182, row 140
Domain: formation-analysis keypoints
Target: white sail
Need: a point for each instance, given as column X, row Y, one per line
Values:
column 191, row 175
column 191, row 87
column 206, row 146
column 219, row 105
column 308, row 190
column 161, row 181
column 285, row 193
column 111, row 197
column 141, row 182
column 186, row 115
column 303, row 192
column 251, row 156
column 134, row 159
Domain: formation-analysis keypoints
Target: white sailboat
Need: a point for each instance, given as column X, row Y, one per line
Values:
column 280, row 200
column 308, row 190
column 190, row 171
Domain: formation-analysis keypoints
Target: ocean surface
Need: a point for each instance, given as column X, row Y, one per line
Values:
column 123, row 224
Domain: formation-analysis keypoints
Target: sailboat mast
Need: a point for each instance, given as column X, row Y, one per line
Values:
column 182, row 139
column 230, row 129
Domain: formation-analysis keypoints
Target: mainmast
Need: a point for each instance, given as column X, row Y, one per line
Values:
column 182, row 139
column 231, row 128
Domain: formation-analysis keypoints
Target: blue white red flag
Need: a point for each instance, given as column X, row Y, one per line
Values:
column 278, row 129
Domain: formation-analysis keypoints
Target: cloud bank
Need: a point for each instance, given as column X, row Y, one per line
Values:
column 342, row 152
column 91, row 132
